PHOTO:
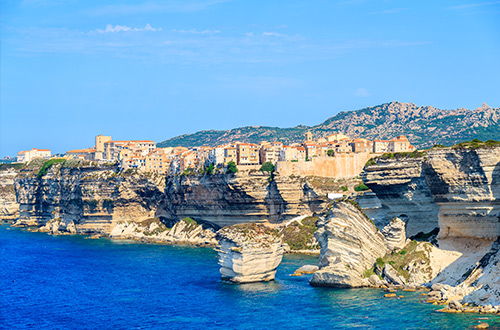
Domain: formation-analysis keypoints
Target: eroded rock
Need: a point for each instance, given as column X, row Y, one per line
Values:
column 249, row 253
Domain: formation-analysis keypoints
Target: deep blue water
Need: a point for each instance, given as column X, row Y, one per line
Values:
column 69, row 282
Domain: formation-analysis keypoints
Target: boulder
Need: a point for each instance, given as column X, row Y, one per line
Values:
column 392, row 276
column 306, row 269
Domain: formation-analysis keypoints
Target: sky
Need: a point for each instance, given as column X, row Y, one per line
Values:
column 148, row 69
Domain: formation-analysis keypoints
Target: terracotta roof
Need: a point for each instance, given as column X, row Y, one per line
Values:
column 81, row 151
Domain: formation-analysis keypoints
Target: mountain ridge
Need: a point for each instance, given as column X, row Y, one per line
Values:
column 423, row 125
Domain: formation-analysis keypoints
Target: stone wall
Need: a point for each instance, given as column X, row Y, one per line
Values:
column 342, row 165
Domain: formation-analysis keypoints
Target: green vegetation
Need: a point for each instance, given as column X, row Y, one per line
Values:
column 231, row 168
column 299, row 235
column 476, row 144
column 48, row 164
column 361, row 187
column 344, row 188
column 330, row 152
column 408, row 255
column 15, row 166
column 158, row 230
column 189, row 171
column 369, row 272
column 267, row 167
column 402, row 155
column 210, row 169
column 370, row 162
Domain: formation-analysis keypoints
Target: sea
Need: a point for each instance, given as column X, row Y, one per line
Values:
column 71, row 282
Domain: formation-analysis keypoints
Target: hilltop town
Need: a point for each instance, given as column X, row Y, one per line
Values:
column 346, row 156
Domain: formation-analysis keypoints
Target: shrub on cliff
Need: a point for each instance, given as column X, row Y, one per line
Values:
column 299, row 235
column 48, row 164
column 231, row 168
column 267, row 167
column 210, row 169
column 476, row 144
column 361, row 187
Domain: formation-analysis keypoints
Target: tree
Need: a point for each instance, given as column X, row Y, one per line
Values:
column 267, row 167
column 231, row 167
column 210, row 169
column 329, row 153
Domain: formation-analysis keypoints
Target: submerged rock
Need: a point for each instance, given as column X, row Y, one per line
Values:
column 306, row 269
column 249, row 253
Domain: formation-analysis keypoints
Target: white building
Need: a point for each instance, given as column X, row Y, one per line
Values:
column 216, row 155
column 27, row 156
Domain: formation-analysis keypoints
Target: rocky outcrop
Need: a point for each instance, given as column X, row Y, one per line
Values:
column 185, row 231
column 249, row 253
column 350, row 244
column 395, row 234
column 9, row 208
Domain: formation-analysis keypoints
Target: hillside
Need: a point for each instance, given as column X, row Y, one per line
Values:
column 424, row 126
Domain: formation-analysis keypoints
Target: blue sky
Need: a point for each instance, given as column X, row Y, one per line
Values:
column 156, row 69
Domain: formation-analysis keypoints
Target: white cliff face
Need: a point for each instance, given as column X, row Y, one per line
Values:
column 350, row 243
column 249, row 253
column 458, row 191
column 9, row 208
column 186, row 231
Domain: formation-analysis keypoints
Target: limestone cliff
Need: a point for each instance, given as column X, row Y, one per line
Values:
column 93, row 199
column 457, row 191
column 85, row 199
column 247, row 196
column 9, row 208
column 350, row 243
column 249, row 253
column 454, row 189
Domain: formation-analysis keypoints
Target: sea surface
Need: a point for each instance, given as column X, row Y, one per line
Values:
column 69, row 282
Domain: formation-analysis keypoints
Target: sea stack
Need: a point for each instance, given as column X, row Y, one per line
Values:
column 249, row 252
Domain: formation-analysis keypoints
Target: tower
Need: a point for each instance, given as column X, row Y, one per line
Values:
column 99, row 146
column 309, row 136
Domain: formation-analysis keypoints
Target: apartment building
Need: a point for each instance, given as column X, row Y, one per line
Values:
column 247, row 154
column 400, row 144
column 82, row 154
column 28, row 155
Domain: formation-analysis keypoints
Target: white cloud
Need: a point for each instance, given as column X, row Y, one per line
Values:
column 123, row 28
column 274, row 34
column 194, row 31
column 362, row 92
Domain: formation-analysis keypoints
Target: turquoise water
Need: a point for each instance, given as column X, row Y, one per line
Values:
column 68, row 282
